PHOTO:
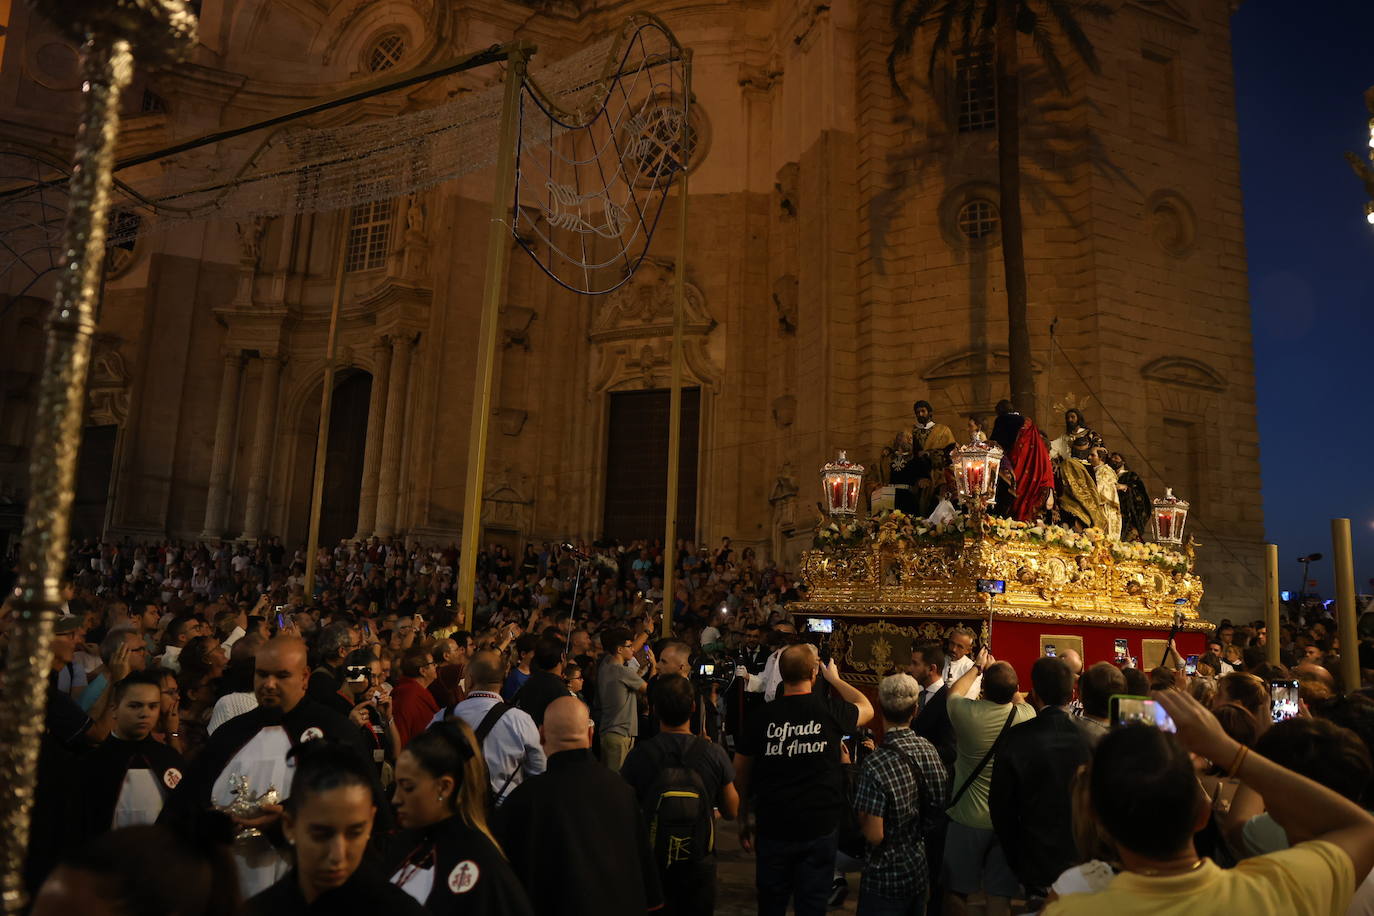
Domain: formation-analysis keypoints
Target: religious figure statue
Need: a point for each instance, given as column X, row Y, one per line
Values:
column 975, row 430
column 918, row 459
column 1135, row 501
column 1025, row 485
column 1075, row 426
column 1106, row 482
column 1079, row 502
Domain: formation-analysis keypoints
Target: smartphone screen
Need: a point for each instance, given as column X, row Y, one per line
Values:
column 1120, row 653
column 281, row 621
column 1190, row 666
column 1283, row 700
column 1049, row 650
column 1127, row 710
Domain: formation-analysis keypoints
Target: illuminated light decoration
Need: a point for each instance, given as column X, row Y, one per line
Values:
column 841, row 480
column 1170, row 517
column 975, row 473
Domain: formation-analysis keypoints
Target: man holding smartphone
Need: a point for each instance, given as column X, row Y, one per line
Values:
column 619, row 687
column 1146, row 798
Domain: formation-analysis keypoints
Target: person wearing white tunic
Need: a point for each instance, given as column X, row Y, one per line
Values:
column 251, row 750
column 1106, row 481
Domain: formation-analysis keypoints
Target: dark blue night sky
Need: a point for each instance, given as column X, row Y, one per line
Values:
column 1301, row 71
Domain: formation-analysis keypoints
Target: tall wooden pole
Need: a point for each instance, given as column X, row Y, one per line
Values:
column 1271, row 603
column 675, row 384
column 1345, row 604
column 498, row 249
column 312, row 544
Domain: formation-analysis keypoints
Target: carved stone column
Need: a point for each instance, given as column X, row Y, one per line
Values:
column 389, row 482
column 217, row 504
column 262, row 447
column 372, row 454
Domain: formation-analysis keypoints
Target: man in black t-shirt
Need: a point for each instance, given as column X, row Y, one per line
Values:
column 788, row 771
column 689, row 885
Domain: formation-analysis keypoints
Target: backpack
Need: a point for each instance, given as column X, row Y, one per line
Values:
column 679, row 810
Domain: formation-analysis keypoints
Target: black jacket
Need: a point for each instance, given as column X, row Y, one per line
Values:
column 933, row 725
column 577, row 841
column 1030, row 795
column 363, row 894
column 538, row 692
column 470, row 874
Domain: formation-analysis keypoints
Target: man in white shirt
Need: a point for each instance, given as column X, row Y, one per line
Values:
column 960, row 659
column 768, row 682
column 510, row 741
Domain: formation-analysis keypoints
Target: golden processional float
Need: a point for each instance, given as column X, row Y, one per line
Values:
column 880, row 584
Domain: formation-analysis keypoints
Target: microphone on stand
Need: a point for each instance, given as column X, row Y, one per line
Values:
column 569, row 548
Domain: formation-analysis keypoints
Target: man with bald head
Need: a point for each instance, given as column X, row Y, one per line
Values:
column 253, row 747
column 574, row 834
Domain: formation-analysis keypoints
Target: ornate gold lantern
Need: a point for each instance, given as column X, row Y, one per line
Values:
column 1170, row 515
column 975, row 473
column 841, row 480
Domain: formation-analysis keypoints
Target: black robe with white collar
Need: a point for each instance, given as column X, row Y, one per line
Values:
column 104, row 772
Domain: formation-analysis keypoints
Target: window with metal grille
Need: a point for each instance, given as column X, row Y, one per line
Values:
column 152, row 103
column 975, row 91
column 386, row 53
column 369, row 235
column 662, row 145
column 978, row 219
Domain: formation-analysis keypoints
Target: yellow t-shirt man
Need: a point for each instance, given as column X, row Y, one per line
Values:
column 1314, row 878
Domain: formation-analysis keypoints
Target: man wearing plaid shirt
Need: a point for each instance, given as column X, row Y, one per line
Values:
column 901, row 789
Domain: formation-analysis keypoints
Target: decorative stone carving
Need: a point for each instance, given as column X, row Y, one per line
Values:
column 1173, row 225
column 785, row 410
column 789, row 177
column 505, row 504
column 1180, row 370
column 783, row 499
column 786, row 294
column 515, row 326
column 511, row 420
column 107, row 388
column 633, row 331
column 251, row 233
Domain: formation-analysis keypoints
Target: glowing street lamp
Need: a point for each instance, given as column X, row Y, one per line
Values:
column 1170, row 515
column 975, row 473
column 841, row 479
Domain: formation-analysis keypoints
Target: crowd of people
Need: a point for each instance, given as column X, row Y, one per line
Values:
column 218, row 741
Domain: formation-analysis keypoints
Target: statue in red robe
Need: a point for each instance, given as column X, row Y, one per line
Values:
column 1032, row 475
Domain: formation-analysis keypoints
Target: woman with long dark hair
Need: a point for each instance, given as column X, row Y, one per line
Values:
column 447, row 858
column 327, row 820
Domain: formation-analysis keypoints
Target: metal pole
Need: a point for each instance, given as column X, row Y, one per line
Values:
column 675, row 385
column 108, row 32
column 1345, row 604
column 312, row 544
column 498, row 248
column 1271, row 603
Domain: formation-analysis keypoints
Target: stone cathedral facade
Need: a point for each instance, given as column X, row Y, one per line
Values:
column 842, row 261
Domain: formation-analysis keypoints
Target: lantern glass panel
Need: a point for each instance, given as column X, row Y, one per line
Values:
column 1170, row 517
column 842, row 481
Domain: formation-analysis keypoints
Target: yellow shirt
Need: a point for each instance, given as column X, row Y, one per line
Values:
column 1310, row 878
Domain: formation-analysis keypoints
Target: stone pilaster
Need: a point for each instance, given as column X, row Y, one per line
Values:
column 217, row 503
column 263, row 434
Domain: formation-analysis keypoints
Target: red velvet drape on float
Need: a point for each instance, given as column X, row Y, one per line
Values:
column 1032, row 472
